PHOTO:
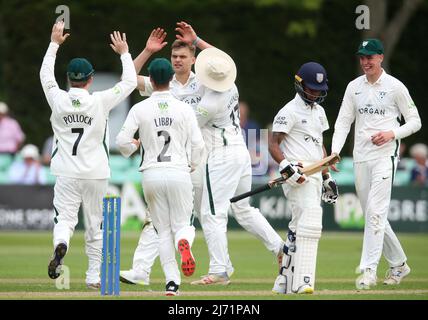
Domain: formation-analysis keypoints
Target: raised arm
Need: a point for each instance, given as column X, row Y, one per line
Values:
column 155, row 43
column 47, row 71
column 112, row 97
column 188, row 35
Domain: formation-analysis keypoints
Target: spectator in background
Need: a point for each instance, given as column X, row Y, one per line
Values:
column 11, row 135
column 28, row 170
column 246, row 123
column 419, row 176
column 47, row 151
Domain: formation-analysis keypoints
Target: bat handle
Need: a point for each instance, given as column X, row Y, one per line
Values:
column 250, row 193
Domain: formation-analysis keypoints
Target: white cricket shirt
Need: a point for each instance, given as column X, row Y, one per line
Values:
column 375, row 107
column 79, row 121
column 168, row 130
column 191, row 92
column 304, row 126
column 218, row 118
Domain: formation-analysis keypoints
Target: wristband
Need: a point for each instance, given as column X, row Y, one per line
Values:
column 195, row 42
column 283, row 164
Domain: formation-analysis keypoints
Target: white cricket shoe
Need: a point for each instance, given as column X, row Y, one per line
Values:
column 280, row 285
column 396, row 274
column 366, row 280
column 134, row 277
column 212, row 279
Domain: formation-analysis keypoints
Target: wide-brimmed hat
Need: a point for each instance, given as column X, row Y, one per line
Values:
column 215, row 69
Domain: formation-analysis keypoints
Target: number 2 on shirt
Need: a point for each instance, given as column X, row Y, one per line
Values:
column 167, row 137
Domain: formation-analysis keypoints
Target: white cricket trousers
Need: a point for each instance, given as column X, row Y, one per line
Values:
column 147, row 249
column 228, row 173
column 373, row 183
column 168, row 193
column 69, row 194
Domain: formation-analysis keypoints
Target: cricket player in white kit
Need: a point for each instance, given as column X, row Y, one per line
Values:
column 376, row 101
column 186, row 87
column 183, row 87
column 228, row 165
column 298, row 140
column 172, row 145
column 80, row 159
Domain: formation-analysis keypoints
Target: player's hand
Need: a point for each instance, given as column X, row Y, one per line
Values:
column 57, row 35
column 136, row 142
column 330, row 191
column 185, row 32
column 382, row 137
column 334, row 168
column 119, row 44
column 156, row 42
column 290, row 170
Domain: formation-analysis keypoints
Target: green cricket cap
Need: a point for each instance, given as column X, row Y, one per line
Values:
column 79, row 70
column 369, row 47
column 160, row 70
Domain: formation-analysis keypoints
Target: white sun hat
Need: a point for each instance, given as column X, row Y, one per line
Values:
column 215, row 69
column 3, row 107
column 30, row 151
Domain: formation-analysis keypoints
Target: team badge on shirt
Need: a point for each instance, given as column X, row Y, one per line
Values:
column 75, row 103
column 163, row 106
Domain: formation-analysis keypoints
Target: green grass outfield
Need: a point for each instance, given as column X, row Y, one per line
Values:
column 24, row 257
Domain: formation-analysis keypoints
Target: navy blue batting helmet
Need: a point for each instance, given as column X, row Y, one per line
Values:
column 311, row 75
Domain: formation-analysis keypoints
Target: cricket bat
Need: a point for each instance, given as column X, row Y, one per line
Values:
column 309, row 170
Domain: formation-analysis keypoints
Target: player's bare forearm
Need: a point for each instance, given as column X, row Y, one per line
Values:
column 274, row 148
column 325, row 155
column 202, row 44
column 141, row 60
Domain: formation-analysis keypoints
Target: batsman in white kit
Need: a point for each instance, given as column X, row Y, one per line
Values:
column 376, row 101
column 220, row 121
column 297, row 141
column 80, row 158
column 172, row 145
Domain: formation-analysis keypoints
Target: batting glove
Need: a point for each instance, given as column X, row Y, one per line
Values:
column 291, row 170
column 330, row 191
